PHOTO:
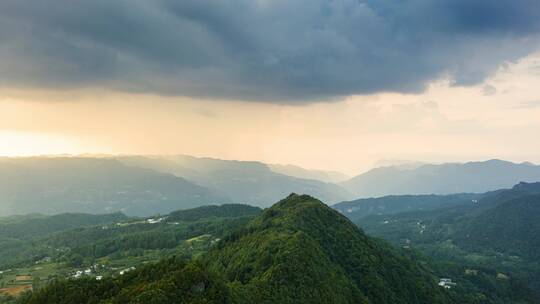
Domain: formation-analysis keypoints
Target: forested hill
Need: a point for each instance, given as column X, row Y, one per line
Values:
column 37, row 225
column 512, row 227
column 504, row 221
column 226, row 210
column 393, row 204
column 298, row 251
column 301, row 251
column 500, row 230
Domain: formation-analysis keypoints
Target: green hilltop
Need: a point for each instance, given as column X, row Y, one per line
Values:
column 302, row 251
column 297, row 251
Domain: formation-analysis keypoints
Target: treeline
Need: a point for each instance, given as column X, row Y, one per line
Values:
column 35, row 226
column 226, row 210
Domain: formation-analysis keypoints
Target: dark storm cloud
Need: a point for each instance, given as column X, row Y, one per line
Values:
column 273, row 50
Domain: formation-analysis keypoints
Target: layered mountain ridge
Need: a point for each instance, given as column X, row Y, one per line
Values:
column 448, row 178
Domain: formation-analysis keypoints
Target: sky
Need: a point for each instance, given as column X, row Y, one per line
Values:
column 340, row 85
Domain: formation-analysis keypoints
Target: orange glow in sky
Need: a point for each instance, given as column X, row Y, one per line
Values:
column 15, row 143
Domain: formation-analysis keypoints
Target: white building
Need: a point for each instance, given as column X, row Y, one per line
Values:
column 122, row 272
column 78, row 274
column 446, row 283
column 154, row 221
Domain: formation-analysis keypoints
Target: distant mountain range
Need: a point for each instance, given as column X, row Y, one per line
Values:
column 146, row 185
column 245, row 182
column 94, row 185
column 473, row 177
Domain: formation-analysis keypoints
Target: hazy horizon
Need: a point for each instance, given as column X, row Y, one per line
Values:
column 377, row 164
column 340, row 88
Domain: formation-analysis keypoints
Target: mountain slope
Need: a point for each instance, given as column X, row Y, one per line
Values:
column 393, row 204
column 448, row 178
column 500, row 230
column 299, row 172
column 223, row 211
column 511, row 227
column 244, row 182
column 301, row 251
column 59, row 185
column 19, row 235
column 503, row 221
column 38, row 225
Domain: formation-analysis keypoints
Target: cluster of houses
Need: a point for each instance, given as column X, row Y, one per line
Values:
column 80, row 273
column 89, row 271
column 147, row 221
column 93, row 269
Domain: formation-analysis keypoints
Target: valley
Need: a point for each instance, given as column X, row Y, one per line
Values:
column 428, row 248
column 492, row 233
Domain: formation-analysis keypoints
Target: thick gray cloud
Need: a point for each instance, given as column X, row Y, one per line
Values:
column 272, row 50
